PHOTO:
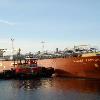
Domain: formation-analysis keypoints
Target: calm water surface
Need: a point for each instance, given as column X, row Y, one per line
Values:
column 50, row 89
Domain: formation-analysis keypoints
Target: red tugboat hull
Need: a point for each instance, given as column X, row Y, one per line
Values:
column 84, row 67
column 30, row 69
column 24, row 70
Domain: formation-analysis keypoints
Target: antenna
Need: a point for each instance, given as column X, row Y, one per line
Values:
column 42, row 42
column 12, row 41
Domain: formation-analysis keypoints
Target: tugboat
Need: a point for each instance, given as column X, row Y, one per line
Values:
column 29, row 69
column 26, row 68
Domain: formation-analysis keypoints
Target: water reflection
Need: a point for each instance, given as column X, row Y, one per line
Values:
column 59, row 84
column 32, row 84
column 79, row 85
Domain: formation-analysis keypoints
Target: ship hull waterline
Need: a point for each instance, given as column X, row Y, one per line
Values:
column 83, row 67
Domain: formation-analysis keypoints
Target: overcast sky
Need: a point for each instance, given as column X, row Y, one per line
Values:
column 60, row 23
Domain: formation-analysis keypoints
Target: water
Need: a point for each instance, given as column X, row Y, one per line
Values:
column 50, row 89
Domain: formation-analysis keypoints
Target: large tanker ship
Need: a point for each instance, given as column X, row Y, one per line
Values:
column 80, row 62
column 85, row 64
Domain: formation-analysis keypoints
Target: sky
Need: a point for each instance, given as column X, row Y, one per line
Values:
column 60, row 23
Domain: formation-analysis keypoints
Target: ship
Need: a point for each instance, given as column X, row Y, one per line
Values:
column 80, row 63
